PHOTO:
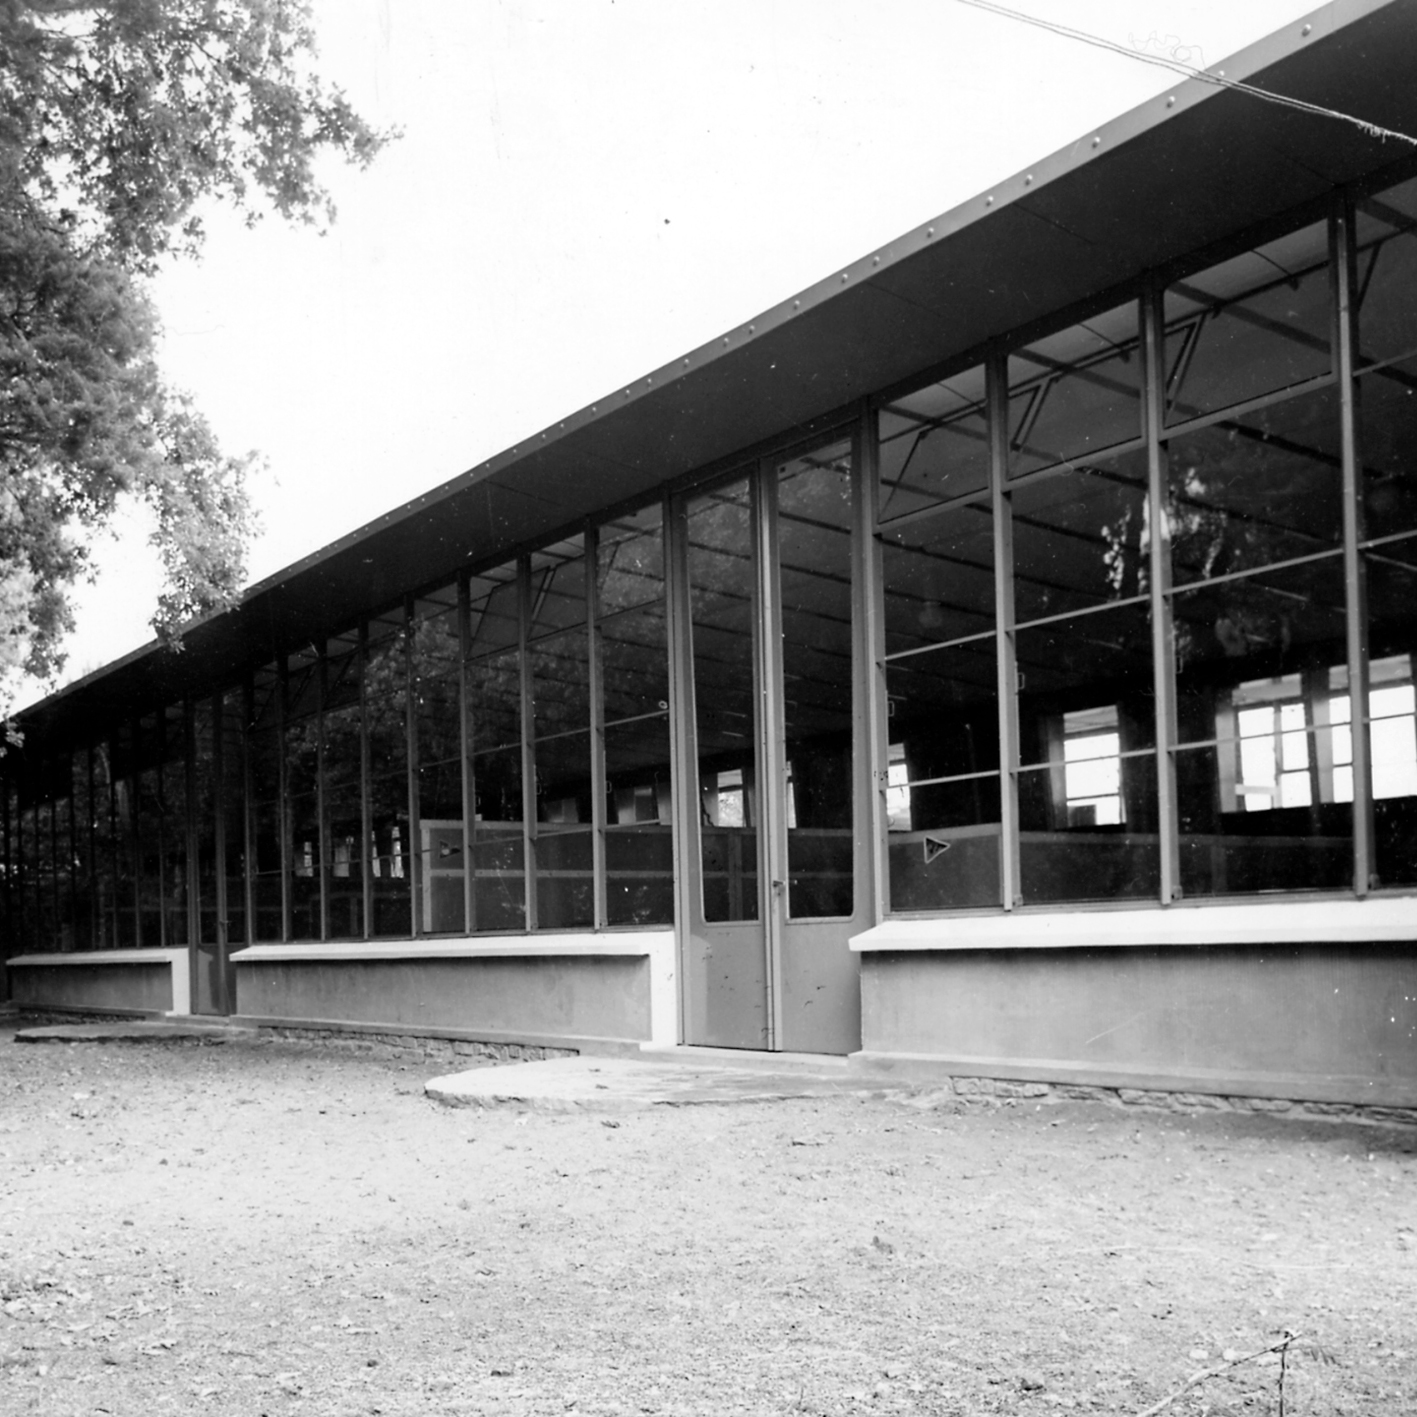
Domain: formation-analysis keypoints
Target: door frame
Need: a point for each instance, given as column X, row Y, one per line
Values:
column 774, row 935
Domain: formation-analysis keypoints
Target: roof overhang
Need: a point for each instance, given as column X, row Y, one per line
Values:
column 1186, row 169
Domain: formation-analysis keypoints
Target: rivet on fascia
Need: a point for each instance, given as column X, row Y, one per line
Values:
column 1308, row 29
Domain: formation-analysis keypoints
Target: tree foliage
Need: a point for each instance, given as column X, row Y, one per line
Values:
column 119, row 121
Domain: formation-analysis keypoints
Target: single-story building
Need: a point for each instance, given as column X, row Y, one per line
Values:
column 995, row 660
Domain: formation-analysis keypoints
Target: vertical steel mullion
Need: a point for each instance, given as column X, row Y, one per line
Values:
column 368, row 847
column 413, row 847
column 248, row 808
column 286, row 841
column 868, row 603
column 468, row 770
column 598, row 805
column 1343, row 264
column 135, row 835
column 997, row 395
column 95, row 869
column 160, row 775
column 772, row 766
column 683, row 737
column 56, row 892
column 322, row 825
column 193, row 839
column 218, row 808
column 1163, row 666
column 528, row 726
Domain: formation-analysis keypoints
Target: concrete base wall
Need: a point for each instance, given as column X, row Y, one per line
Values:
column 106, row 988
column 1325, row 1022
column 540, row 998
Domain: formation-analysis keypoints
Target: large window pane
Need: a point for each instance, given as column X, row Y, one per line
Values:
column 1075, row 394
column 1087, row 731
column 1284, row 621
column 1392, row 636
column 1387, row 274
column 934, row 444
column 722, row 609
column 302, row 771
column 436, row 662
column 1250, row 326
column 386, row 700
column 496, row 849
column 939, row 578
column 1387, row 450
column 639, row 841
column 1263, row 487
column 814, row 539
column 942, row 798
column 1081, row 537
column 496, row 852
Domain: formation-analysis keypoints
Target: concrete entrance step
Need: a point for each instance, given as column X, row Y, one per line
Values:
column 594, row 1084
column 135, row 1031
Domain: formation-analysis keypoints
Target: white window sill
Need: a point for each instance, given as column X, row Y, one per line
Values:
column 1391, row 919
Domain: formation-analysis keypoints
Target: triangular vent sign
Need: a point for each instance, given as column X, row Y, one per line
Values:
column 935, row 847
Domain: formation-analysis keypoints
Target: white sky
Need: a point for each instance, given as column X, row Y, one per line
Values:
column 584, row 190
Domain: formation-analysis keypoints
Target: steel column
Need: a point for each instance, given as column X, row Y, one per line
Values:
column 997, row 395
column 1344, row 268
column 1163, row 667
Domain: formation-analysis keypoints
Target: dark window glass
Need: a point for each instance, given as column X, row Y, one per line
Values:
column 639, row 841
column 1391, row 725
column 722, row 610
column 1387, row 274
column 1387, row 449
column 496, row 850
column 1075, row 394
column 1251, row 326
column 1087, row 733
column 934, row 445
column 437, row 672
column 814, row 521
column 939, row 578
column 233, row 768
column 1080, row 537
column 386, row 699
column 942, row 796
column 1254, row 627
column 1264, row 487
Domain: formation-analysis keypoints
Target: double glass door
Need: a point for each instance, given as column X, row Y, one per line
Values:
column 775, row 884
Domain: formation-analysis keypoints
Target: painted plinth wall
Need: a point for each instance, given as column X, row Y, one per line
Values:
column 580, row 994
column 1320, row 1021
column 113, row 981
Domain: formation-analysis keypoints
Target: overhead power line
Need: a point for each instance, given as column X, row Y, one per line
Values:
column 1190, row 71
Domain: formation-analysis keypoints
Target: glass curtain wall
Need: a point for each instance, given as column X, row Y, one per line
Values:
column 632, row 647
column 1034, row 615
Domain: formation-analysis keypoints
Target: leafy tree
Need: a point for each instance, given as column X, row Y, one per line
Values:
column 120, row 120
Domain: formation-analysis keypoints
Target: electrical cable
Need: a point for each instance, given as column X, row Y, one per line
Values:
column 1179, row 66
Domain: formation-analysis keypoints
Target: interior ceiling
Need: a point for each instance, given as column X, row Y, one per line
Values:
column 1183, row 170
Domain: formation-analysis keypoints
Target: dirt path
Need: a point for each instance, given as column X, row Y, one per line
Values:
column 252, row 1229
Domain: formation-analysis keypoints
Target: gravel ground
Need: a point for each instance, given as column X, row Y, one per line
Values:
column 258, row 1228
